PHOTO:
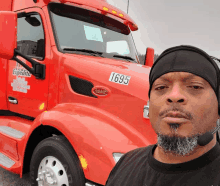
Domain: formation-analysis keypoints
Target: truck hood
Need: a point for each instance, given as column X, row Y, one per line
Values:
column 124, row 102
column 98, row 71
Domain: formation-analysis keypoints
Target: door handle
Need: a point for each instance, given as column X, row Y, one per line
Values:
column 12, row 100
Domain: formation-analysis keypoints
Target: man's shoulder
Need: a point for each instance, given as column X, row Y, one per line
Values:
column 129, row 165
column 139, row 152
column 134, row 156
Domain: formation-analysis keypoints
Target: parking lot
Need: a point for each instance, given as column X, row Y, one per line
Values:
column 9, row 179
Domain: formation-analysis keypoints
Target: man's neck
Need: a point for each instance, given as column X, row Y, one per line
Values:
column 170, row 158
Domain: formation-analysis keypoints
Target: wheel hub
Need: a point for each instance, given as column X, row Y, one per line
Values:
column 52, row 172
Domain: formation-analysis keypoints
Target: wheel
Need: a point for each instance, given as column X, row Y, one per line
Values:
column 54, row 162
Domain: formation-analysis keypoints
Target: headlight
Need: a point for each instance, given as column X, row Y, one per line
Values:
column 117, row 156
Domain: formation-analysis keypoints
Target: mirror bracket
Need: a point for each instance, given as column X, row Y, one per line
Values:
column 22, row 14
column 38, row 70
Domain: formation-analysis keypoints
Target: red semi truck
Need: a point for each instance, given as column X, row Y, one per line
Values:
column 73, row 93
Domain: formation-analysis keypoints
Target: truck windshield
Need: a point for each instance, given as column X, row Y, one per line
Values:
column 82, row 31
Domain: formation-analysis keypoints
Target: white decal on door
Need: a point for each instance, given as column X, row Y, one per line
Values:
column 20, row 85
column 21, row 71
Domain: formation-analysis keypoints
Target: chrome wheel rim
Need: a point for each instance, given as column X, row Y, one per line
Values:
column 52, row 172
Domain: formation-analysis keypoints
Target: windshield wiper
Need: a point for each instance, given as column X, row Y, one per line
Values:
column 125, row 57
column 94, row 53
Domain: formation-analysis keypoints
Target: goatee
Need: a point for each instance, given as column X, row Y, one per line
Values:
column 177, row 145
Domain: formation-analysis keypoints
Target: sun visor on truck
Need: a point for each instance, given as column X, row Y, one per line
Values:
column 102, row 6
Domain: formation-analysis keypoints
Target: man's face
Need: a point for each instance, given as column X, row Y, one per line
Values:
column 186, row 94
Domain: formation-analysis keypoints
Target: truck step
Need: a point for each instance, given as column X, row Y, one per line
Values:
column 6, row 161
column 10, row 137
column 11, row 132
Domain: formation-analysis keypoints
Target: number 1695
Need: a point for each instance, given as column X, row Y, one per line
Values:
column 119, row 78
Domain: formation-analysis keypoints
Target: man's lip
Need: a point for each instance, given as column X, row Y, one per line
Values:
column 176, row 115
column 175, row 120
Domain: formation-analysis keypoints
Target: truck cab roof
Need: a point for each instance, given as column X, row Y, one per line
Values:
column 101, row 5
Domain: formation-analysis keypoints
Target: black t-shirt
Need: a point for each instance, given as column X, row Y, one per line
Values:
column 140, row 168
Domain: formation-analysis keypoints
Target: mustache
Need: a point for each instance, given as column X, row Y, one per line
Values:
column 176, row 109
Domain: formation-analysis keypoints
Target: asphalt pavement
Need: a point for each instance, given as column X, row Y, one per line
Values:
column 10, row 179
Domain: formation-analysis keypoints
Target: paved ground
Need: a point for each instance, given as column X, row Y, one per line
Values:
column 9, row 179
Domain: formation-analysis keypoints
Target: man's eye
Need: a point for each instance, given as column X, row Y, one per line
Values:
column 160, row 88
column 196, row 87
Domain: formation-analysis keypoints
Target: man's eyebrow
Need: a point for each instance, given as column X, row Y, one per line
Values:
column 191, row 76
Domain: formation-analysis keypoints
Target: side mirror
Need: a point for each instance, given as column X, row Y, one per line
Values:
column 8, row 35
column 149, row 59
column 8, row 43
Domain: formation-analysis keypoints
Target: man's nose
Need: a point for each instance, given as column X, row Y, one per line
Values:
column 176, row 94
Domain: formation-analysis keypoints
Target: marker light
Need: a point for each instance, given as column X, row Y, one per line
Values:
column 104, row 8
column 83, row 162
column 114, row 12
column 41, row 106
column 121, row 15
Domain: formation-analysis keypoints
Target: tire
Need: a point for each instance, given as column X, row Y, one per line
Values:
column 56, row 157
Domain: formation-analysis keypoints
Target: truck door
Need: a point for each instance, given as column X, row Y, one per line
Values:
column 26, row 94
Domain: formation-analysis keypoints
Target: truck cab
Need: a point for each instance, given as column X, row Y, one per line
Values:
column 73, row 92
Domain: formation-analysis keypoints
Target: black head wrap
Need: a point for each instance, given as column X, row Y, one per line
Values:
column 186, row 58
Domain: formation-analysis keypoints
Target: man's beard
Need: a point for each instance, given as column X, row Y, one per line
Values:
column 177, row 145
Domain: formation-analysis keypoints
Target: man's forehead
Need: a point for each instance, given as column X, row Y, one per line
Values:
column 183, row 76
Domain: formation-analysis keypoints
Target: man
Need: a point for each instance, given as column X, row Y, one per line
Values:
column 183, row 106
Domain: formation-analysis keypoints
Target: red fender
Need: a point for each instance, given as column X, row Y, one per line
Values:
column 94, row 134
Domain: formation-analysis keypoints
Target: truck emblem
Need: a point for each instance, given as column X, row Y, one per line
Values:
column 100, row 91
